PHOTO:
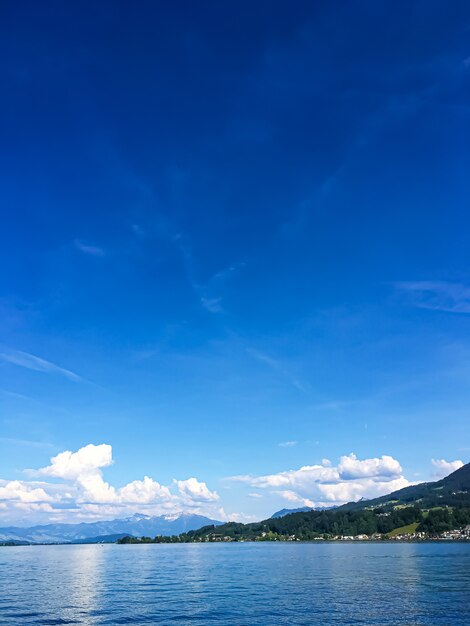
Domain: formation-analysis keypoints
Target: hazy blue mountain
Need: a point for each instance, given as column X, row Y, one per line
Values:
column 103, row 538
column 137, row 525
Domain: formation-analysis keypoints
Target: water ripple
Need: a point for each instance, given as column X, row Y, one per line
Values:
column 236, row 584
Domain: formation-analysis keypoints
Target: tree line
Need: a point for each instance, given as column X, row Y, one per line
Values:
column 325, row 524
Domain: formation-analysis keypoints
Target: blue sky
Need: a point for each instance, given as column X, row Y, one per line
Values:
column 235, row 243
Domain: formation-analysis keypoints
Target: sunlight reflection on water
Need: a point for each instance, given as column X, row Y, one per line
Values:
column 252, row 584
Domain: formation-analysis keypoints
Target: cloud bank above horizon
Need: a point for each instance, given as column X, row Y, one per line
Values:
column 72, row 488
column 325, row 484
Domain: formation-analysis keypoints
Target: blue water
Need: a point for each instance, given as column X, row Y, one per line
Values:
column 250, row 584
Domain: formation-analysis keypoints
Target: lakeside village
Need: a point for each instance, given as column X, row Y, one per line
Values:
column 399, row 523
column 462, row 534
column 458, row 534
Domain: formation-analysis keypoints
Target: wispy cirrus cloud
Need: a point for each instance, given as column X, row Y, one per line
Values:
column 436, row 295
column 15, row 395
column 207, row 290
column 213, row 305
column 224, row 274
column 287, row 444
column 277, row 366
column 89, row 249
column 26, row 442
column 33, row 362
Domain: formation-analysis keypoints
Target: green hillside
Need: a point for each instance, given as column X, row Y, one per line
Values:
column 453, row 490
column 430, row 508
column 402, row 530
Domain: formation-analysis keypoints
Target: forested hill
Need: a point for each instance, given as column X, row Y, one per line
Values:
column 429, row 509
column 329, row 524
column 453, row 490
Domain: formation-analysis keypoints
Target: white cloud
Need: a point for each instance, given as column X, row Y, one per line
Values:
column 86, row 460
column 241, row 518
column 287, row 444
column 291, row 496
column 144, row 491
column 196, row 490
column 19, row 491
column 84, row 468
column 95, row 489
column 360, row 488
column 351, row 467
column 32, row 362
column 318, row 485
column 83, row 493
column 32, row 507
column 444, row 468
column 73, row 488
column 88, row 249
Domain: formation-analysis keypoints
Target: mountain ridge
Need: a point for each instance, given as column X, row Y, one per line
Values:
column 452, row 490
column 430, row 507
column 136, row 525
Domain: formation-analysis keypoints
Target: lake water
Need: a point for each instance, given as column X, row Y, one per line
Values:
column 254, row 584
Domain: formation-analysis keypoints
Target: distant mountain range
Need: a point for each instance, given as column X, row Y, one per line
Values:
column 137, row 525
column 452, row 491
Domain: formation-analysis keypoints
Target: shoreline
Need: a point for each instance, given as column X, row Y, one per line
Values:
column 185, row 543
